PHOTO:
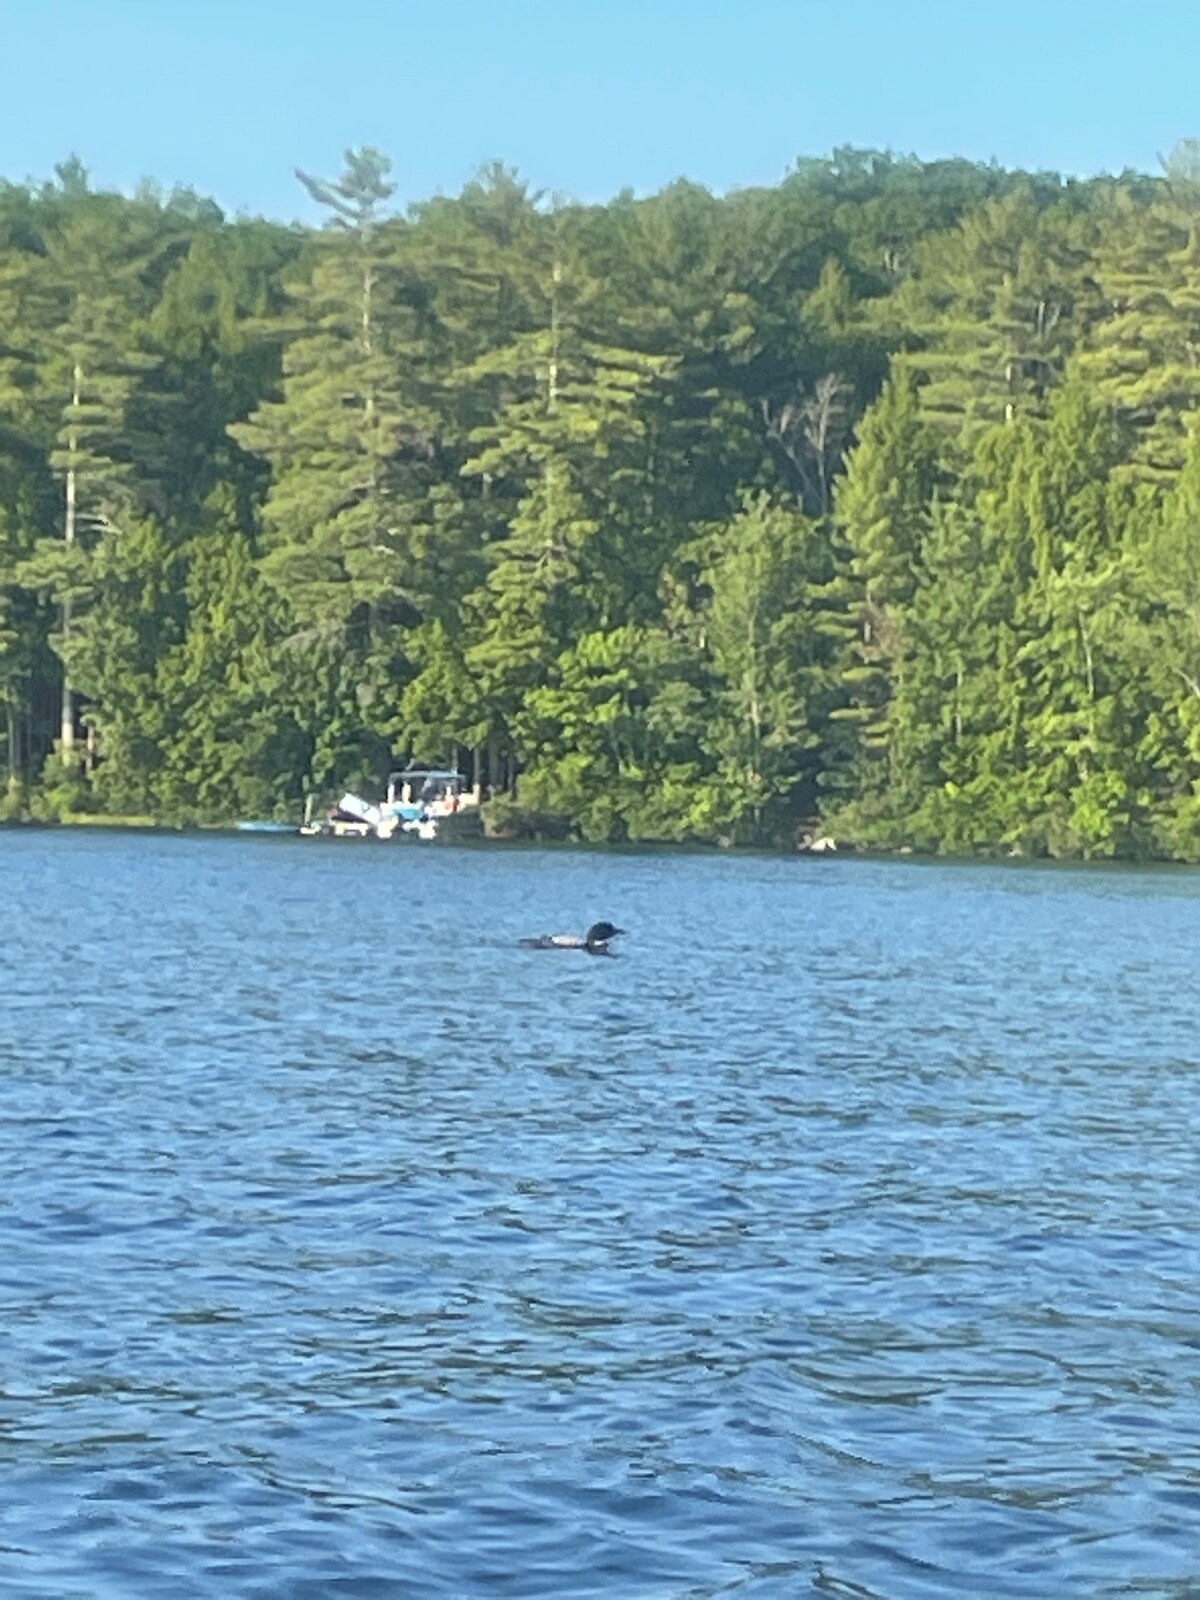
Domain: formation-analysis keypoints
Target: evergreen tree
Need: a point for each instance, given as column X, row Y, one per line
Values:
column 1141, row 354
column 771, row 665
column 992, row 311
column 333, row 547
column 882, row 513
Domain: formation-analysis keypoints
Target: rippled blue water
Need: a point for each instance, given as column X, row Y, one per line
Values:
column 842, row 1238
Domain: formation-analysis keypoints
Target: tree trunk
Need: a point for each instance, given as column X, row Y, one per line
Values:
column 13, row 750
column 67, row 732
column 552, row 373
column 1090, row 672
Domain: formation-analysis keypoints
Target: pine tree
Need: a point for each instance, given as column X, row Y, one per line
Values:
column 88, row 367
column 993, row 310
column 334, row 540
column 882, row 515
column 1142, row 355
column 771, row 664
column 562, row 457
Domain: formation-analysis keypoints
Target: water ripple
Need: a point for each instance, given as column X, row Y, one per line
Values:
column 348, row 1249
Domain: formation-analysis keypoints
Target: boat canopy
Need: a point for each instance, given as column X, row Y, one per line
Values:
column 437, row 774
column 425, row 784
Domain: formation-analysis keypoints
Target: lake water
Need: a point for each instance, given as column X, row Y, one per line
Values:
column 840, row 1239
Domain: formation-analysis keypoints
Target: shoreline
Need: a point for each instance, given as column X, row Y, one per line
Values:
column 845, row 852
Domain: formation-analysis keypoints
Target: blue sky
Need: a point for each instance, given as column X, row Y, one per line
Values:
column 581, row 96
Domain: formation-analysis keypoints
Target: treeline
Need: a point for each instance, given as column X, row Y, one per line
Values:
column 867, row 503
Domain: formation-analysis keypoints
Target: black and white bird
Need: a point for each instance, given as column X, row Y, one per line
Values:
column 595, row 941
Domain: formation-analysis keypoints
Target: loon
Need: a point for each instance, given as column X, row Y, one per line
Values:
column 594, row 941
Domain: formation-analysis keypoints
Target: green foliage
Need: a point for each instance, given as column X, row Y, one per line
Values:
column 870, row 502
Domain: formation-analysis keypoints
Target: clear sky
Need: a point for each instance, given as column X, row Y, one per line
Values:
column 585, row 97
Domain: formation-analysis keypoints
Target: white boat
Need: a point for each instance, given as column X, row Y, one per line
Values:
column 418, row 800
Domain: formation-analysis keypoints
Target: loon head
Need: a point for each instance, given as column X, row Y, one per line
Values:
column 599, row 934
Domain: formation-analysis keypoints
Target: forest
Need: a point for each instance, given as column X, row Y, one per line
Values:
column 864, row 507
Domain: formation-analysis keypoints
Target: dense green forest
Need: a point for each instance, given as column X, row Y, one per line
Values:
column 866, row 504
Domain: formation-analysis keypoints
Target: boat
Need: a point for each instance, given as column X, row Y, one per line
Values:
column 418, row 802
